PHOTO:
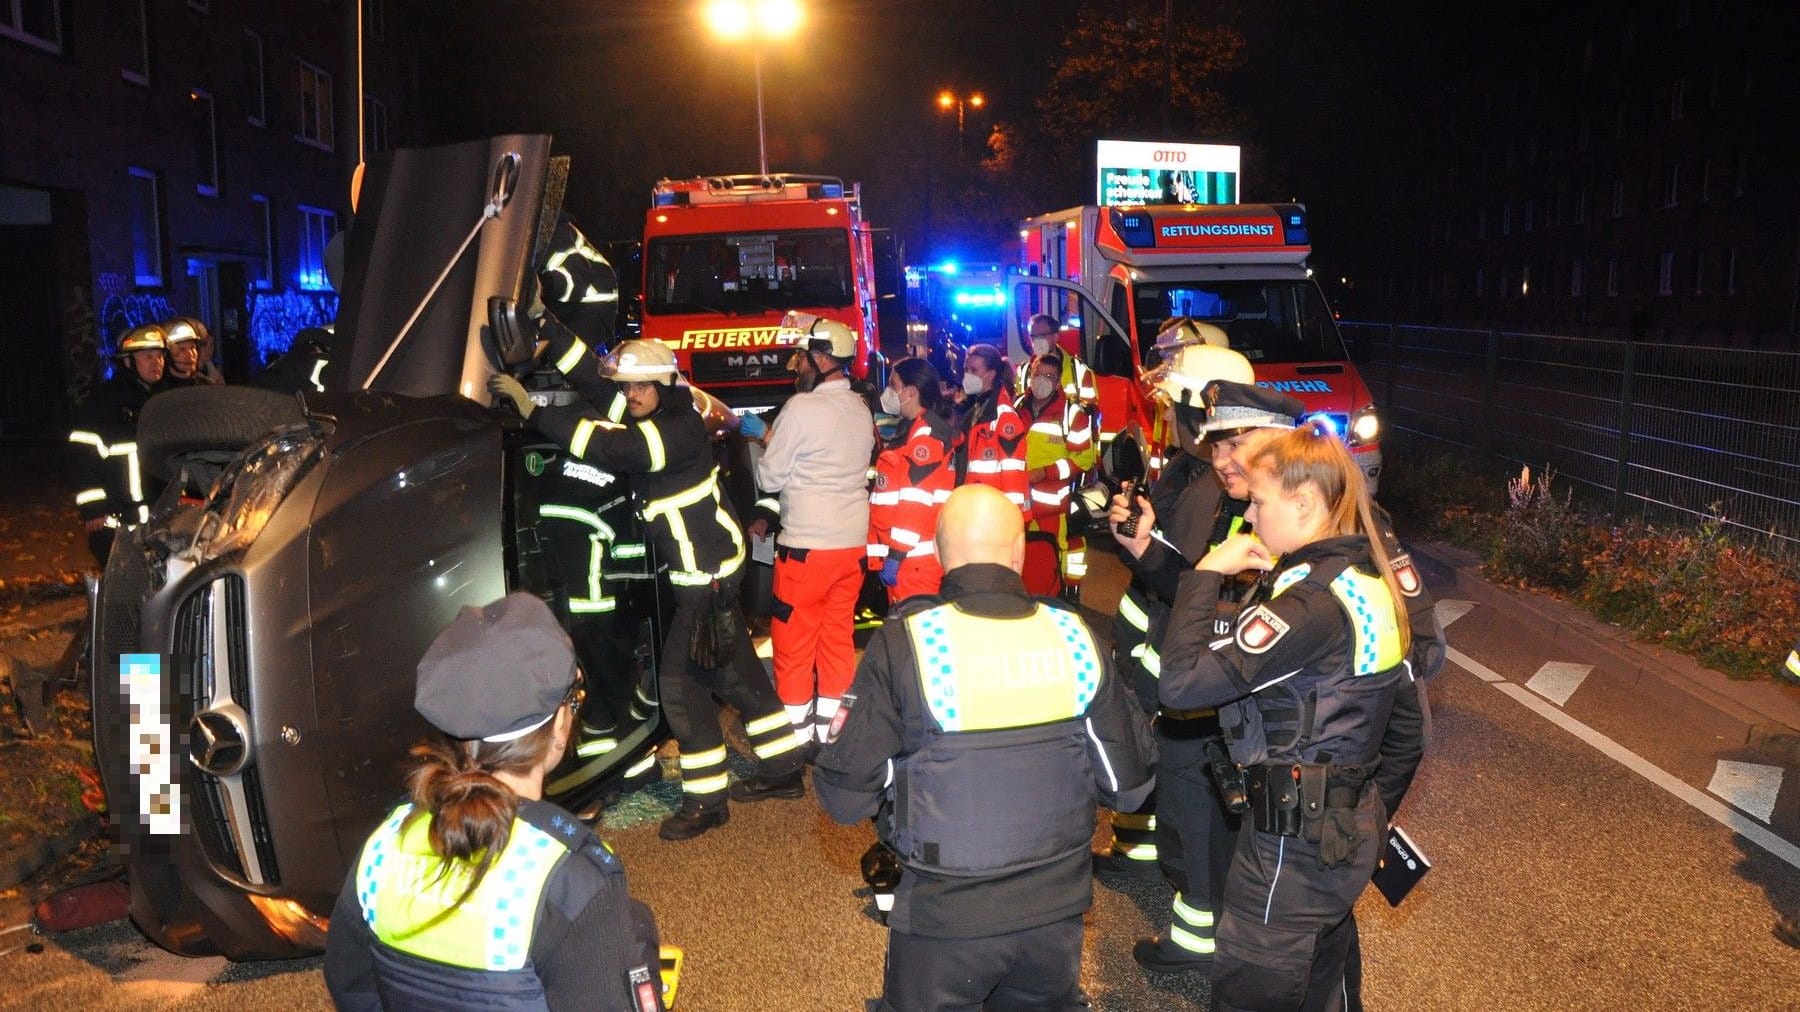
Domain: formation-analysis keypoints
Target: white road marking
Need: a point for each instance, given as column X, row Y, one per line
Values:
column 1558, row 680
column 1751, row 787
column 1450, row 611
column 1712, row 809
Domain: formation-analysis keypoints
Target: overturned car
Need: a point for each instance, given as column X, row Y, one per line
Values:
column 254, row 643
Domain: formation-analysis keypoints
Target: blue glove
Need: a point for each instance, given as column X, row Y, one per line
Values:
column 890, row 571
column 752, row 426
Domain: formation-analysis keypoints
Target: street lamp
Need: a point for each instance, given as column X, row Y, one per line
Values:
column 758, row 21
column 948, row 100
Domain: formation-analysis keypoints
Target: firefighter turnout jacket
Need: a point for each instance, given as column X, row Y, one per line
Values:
column 668, row 457
column 990, row 448
column 914, row 477
column 112, row 484
column 580, row 284
column 551, row 924
column 982, row 728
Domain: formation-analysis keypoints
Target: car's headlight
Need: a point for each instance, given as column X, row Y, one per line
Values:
column 247, row 494
column 1365, row 426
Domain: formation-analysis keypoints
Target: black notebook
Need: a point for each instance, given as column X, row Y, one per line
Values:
column 1401, row 867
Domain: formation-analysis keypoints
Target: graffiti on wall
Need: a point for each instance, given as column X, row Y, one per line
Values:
column 276, row 317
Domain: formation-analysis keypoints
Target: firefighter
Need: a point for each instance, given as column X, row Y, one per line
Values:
column 981, row 730
column 646, row 429
column 1305, row 683
column 113, row 493
column 1059, row 451
column 990, row 448
column 580, row 285
column 190, row 345
column 475, row 892
column 1187, row 499
column 1076, row 379
column 1176, row 333
column 817, row 460
column 913, row 477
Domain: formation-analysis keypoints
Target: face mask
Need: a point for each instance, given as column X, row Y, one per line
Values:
column 974, row 385
column 1040, row 346
column 890, row 400
column 1042, row 387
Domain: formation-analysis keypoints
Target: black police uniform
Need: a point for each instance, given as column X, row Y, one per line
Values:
column 584, row 939
column 668, row 457
column 113, row 485
column 992, row 821
column 1310, row 674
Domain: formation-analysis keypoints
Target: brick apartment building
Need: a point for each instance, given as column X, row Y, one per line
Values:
column 1629, row 171
column 177, row 156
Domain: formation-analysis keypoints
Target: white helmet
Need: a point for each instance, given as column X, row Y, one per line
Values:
column 1184, row 375
column 817, row 333
column 1180, row 331
column 643, row 360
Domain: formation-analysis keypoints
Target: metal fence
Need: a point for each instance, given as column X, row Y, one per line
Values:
column 1663, row 430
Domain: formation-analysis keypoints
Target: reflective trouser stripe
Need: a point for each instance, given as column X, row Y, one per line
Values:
column 771, row 735
column 642, row 766
column 800, row 718
column 704, row 772
column 90, row 495
column 1134, row 835
column 1191, row 928
column 763, row 725
column 1134, row 616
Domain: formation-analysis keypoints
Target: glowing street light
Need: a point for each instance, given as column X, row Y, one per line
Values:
column 757, row 21
column 948, row 100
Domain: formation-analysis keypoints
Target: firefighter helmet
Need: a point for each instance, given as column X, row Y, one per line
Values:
column 641, row 360
column 1181, row 331
column 817, row 333
column 1184, row 375
column 184, row 328
column 148, row 337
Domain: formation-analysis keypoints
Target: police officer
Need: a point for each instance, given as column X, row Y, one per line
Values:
column 982, row 728
column 1305, row 684
column 817, row 460
column 113, row 492
column 646, row 428
column 475, row 891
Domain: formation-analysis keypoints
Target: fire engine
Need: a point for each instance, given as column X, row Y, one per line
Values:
column 726, row 257
column 1112, row 275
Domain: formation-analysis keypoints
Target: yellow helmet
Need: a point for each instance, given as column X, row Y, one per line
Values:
column 148, row 337
column 1183, row 376
column 644, row 361
column 818, row 333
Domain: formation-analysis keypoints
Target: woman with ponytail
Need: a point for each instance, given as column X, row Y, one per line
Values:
column 475, row 891
column 1304, row 683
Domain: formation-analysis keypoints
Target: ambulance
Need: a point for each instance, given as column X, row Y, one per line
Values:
column 1112, row 275
column 726, row 257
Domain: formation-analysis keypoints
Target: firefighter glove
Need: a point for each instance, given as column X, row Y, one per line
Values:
column 505, row 388
column 890, row 571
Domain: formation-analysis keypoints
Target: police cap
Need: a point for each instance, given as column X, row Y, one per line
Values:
column 1232, row 405
column 496, row 673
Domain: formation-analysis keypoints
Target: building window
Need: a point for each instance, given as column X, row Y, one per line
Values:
column 1684, row 13
column 206, row 143
column 1619, row 122
column 1672, row 185
column 1480, row 283
column 1699, row 272
column 375, row 126
column 1584, row 135
column 1717, row 89
column 1525, row 281
column 256, row 88
column 1618, row 198
column 375, row 19
column 203, row 6
column 1581, row 206
column 1665, row 277
column 146, row 228
column 137, row 69
column 1481, row 223
column 316, row 126
column 1677, row 95
column 1706, row 180
column 262, row 275
column 33, row 22
column 1530, row 151
column 1612, row 277
column 1506, row 220
column 317, row 226
column 1553, row 209
column 1530, row 213
column 1575, row 279
column 1731, row 257
column 1587, row 57
column 1743, row 173
column 1512, row 158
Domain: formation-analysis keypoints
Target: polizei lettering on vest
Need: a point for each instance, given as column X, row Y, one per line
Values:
column 1208, row 231
column 1027, row 669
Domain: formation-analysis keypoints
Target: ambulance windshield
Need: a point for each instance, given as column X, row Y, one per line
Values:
column 748, row 272
column 1274, row 321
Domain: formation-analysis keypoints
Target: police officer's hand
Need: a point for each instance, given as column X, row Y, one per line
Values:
column 1237, row 554
column 890, row 571
column 505, row 388
column 1119, row 511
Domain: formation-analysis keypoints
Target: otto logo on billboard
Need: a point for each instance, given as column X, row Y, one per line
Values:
column 1152, row 172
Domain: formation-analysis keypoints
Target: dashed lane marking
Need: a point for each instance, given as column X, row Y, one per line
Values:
column 1450, row 611
column 1558, row 680
column 1751, row 787
column 1723, row 814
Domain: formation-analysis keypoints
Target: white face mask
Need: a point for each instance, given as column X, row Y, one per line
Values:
column 974, row 385
column 1040, row 346
column 1042, row 387
column 890, row 400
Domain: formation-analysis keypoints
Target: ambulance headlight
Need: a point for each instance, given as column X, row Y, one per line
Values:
column 1365, row 426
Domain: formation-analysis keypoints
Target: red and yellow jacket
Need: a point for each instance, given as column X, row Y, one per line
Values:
column 1059, row 443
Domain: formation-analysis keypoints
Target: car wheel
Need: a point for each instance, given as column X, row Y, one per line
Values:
column 177, row 424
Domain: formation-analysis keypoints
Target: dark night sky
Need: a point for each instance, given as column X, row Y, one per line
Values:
column 638, row 90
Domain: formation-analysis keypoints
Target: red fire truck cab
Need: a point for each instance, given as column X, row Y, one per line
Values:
column 726, row 257
column 1114, row 274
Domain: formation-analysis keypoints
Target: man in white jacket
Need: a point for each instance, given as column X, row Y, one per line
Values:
column 817, row 459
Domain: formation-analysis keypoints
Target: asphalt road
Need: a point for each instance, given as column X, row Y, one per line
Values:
column 1598, row 841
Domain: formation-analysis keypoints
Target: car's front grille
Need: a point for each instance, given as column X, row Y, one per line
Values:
column 121, row 600
column 767, row 365
column 229, row 817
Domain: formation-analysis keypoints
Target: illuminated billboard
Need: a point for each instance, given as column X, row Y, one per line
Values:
column 1149, row 172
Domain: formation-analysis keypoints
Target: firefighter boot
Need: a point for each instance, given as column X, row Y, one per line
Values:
column 693, row 819
column 756, row 788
